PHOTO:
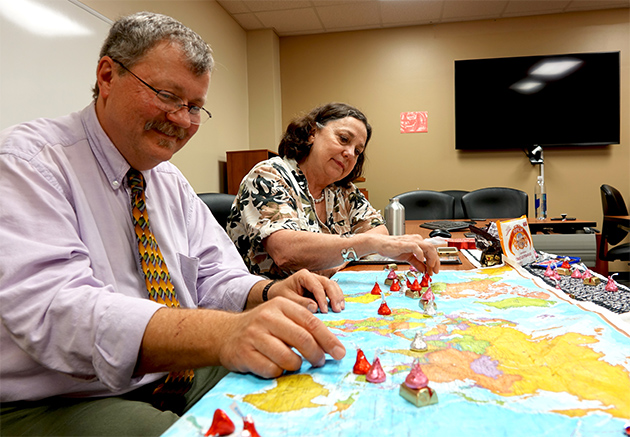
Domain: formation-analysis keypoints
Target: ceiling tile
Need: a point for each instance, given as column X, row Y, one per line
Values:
column 404, row 12
column 233, row 6
column 276, row 5
column 293, row 20
column 348, row 16
column 248, row 21
column 301, row 17
column 472, row 10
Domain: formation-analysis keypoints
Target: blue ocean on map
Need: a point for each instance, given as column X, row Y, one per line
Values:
column 506, row 357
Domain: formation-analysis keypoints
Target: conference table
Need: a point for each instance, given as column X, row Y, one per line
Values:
column 414, row 227
column 558, row 226
column 545, row 226
column 502, row 353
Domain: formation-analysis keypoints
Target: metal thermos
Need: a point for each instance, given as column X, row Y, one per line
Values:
column 395, row 217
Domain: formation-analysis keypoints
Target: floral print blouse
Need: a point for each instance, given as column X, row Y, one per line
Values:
column 274, row 196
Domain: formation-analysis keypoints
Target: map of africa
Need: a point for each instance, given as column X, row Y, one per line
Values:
column 505, row 357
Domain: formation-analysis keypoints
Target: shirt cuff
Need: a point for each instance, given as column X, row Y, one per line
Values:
column 118, row 340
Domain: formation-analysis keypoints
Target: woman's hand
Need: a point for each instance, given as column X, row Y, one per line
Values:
column 411, row 248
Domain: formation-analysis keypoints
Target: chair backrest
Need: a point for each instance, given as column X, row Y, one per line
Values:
column 612, row 204
column 495, row 202
column 427, row 205
column 219, row 204
column 459, row 208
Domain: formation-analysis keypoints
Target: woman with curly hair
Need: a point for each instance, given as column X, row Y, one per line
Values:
column 301, row 209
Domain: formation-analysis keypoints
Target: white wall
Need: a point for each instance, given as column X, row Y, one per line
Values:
column 47, row 68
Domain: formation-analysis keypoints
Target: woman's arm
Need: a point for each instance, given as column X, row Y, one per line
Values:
column 293, row 250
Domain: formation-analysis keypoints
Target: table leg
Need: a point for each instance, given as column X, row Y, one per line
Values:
column 601, row 266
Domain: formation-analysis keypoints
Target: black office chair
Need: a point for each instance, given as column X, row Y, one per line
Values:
column 459, row 208
column 495, row 202
column 613, row 204
column 427, row 205
column 220, row 205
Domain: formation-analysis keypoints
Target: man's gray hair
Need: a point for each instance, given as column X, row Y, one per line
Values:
column 131, row 37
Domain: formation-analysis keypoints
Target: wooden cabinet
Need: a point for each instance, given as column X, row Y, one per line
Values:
column 363, row 190
column 240, row 162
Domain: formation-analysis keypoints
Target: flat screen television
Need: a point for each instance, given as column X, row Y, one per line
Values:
column 553, row 100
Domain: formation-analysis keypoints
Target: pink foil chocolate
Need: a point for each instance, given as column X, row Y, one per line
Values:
column 376, row 374
column 416, row 378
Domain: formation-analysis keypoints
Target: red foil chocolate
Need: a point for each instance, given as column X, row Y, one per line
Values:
column 221, row 424
column 361, row 365
column 376, row 289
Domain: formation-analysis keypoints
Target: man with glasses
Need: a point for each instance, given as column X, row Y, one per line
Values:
column 121, row 298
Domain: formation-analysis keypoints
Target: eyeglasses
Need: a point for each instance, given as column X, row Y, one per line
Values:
column 170, row 103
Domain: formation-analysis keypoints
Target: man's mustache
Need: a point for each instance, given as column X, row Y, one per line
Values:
column 166, row 128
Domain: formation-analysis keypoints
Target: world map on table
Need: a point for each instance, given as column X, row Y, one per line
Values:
column 505, row 357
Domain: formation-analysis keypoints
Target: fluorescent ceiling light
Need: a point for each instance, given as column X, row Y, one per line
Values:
column 40, row 19
column 528, row 86
column 555, row 68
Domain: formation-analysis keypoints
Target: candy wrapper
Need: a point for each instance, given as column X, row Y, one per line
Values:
column 395, row 285
column 418, row 344
column 376, row 289
column 516, row 240
column 611, row 285
column 391, row 277
column 221, row 425
column 427, row 302
column 376, row 374
column 416, row 378
column 384, row 309
column 416, row 390
column 487, row 241
column 361, row 365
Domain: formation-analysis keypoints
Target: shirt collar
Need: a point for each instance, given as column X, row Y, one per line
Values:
column 111, row 161
column 300, row 178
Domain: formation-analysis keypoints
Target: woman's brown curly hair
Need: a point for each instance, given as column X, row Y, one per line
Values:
column 294, row 143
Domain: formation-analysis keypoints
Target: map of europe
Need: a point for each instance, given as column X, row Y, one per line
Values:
column 505, row 357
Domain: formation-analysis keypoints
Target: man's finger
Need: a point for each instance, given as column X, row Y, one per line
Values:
column 280, row 355
column 310, row 337
column 310, row 284
column 335, row 294
column 307, row 301
column 332, row 292
column 261, row 365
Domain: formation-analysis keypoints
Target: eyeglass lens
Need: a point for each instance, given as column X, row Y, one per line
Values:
column 170, row 103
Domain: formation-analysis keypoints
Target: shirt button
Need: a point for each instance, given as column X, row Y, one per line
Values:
column 115, row 184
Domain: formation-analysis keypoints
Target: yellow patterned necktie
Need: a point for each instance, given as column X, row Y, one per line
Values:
column 170, row 394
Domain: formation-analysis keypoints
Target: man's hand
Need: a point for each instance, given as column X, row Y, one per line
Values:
column 260, row 340
column 309, row 290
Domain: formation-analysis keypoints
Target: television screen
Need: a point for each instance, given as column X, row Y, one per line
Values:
column 554, row 100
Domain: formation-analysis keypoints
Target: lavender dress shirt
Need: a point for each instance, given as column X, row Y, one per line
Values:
column 73, row 302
